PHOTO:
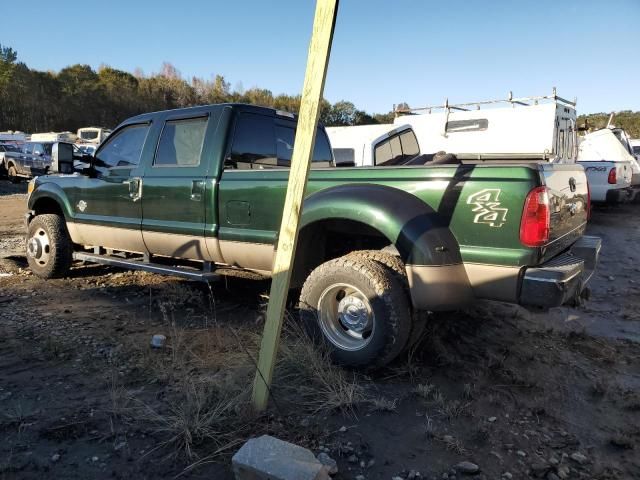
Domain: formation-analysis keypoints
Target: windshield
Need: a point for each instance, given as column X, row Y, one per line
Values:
column 636, row 150
column 9, row 148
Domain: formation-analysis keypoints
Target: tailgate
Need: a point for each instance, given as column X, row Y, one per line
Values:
column 568, row 197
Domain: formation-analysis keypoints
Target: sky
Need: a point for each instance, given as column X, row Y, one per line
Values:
column 384, row 52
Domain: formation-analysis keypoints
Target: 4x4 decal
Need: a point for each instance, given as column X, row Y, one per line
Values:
column 487, row 207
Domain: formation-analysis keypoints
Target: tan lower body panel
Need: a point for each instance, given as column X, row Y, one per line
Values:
column 178, row 246
column 449, row 287
column 438, row 288
column 108, row 237
column 494, row 282
column 252, row 256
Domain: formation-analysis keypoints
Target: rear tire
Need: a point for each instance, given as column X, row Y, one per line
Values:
column 360, row 310
column 49, row 247
column 395, row 263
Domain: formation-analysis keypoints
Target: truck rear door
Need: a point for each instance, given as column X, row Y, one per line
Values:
column 568, row 204
column 174, row 199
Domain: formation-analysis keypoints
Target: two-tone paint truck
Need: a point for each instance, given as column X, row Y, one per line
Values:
column 200, row 191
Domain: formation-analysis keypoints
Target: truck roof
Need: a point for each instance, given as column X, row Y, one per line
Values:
column 199, row 109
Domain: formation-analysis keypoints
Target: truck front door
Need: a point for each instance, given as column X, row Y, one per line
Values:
column 108, row 210
column 175, row 189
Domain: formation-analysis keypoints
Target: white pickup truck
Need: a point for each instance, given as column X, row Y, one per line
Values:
column 613, row 172
column 373, row 145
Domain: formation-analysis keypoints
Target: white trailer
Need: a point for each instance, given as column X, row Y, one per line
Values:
column 13, row 137
column 53, row 137
column 536, row 128
column 371, row 145
column 92, row 135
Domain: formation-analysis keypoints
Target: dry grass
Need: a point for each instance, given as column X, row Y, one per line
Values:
column 206, row 377
column 200, row 412
column 305, row 372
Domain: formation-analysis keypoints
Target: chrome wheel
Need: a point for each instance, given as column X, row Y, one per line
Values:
column 345, row 316
column 39, row 247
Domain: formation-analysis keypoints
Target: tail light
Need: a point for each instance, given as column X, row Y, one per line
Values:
column 536, row 218
column 588, row 201
column 613, row 176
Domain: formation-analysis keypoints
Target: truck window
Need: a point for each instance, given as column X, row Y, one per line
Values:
column 253, row 141
column 124, row 148
column 181, row 143
column 410, row 146
column 474, row 125
column 285, row 137
column 382, row 153
column 259, row 143
column 396, row 149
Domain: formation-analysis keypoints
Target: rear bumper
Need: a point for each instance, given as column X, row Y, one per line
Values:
column 621, row 195
column 562, row 279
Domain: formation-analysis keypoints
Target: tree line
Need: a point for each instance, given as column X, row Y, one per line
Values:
column 78, row 96
column 626, row 119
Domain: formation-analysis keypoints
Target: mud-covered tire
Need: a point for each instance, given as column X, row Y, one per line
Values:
column 12, row 174
column 368, row 286
column 49, row 247
column 395, row 263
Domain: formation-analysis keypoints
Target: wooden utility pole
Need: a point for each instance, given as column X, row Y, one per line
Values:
column 317, row 61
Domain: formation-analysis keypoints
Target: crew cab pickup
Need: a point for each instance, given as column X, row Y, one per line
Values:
column 200, row 191
column 29, row 160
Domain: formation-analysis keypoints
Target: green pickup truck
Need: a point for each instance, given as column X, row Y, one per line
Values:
column 199, row 191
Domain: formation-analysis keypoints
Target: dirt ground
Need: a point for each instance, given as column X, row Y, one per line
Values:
column 521, row 395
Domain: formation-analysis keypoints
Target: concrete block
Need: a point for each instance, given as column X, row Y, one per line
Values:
column 268, row 458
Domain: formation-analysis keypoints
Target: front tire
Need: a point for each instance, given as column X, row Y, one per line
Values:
column 49, row 247
column 12, row 174
column 359, row 308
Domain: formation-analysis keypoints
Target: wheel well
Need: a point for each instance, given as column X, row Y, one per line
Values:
column 329, row 239
column 47, row 205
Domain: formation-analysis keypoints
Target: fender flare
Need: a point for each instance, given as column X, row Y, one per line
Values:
column 413, row 227
column 51, row 191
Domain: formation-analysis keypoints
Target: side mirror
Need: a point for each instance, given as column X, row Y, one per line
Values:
column 62, row 158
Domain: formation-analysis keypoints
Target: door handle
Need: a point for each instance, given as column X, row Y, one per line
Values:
column 135, row 188
column 197, row 190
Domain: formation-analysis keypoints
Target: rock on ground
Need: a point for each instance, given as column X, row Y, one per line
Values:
column 268, row 458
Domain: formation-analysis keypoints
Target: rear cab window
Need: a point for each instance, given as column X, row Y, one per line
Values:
column 263, row 142
column 396, row 149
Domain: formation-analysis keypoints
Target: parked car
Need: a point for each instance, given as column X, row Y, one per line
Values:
column 33, row 158
column 613, row 173
column 6, row 147
column 376, row 245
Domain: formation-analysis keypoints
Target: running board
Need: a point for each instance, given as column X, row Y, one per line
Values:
column 184, row 272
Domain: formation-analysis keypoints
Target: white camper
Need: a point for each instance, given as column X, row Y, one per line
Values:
column 93, row 135
column 53, row 137
column 535, row 128
column 13, row 137
column 371, row 145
